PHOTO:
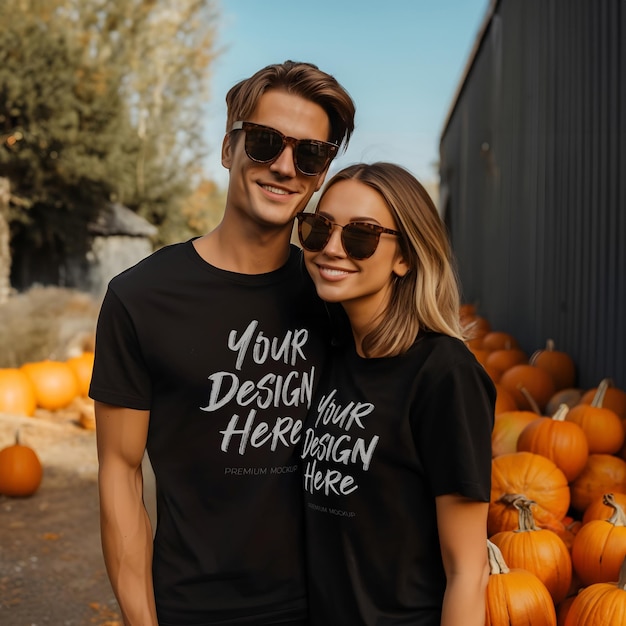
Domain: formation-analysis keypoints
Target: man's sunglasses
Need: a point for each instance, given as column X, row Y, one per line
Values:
column 359, row 239
column 264, row 145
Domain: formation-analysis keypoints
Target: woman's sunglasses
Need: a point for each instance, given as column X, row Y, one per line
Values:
column 264, row 145
column 359, row 239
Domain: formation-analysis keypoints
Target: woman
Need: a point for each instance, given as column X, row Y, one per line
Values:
column 397, row 446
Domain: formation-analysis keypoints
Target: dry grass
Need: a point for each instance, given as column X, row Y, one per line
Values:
column 46, row 323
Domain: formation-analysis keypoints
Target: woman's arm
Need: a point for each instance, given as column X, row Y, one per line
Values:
column 124, row 524
column 462, row 525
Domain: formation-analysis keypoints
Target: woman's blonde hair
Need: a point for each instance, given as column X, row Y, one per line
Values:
column 427, row 297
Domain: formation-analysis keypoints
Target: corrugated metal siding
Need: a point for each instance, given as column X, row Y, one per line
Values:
column 533, row 164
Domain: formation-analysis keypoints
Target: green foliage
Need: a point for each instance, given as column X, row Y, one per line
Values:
column 101, row 100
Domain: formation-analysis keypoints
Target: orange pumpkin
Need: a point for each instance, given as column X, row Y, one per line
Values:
column 560, row 365
column 563, row 609
column 515, row 596
column 563, row 442
column 602, row 426
column 599, row 548
column 82, row 366
column 603, row 473
column 600, row 603
column 533, row 476
column 20, row 470
column 504, row 359
column 537, row 550
column 499, row 340
column 598, row 510
column 17, row 394
column 504, row 400
column 54, row 382
column 507, row 427
column 538, row 383
column 614, row 398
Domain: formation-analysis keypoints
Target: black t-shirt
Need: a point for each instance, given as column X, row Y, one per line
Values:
column 384, row 438
column 227, row 365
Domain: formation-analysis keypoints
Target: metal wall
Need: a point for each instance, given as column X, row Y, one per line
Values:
column 533, row 178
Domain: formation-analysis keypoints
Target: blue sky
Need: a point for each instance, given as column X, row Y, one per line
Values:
column 400, row 60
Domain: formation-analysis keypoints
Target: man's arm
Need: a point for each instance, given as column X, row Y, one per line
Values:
column 462, row 525
column 124, row 523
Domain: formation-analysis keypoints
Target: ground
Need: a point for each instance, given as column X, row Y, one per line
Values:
column 51, row 566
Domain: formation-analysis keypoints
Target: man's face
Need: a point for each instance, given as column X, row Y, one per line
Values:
column 270, row 194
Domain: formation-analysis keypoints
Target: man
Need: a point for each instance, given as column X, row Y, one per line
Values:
column 207, row 354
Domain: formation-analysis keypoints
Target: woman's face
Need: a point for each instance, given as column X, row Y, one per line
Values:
column 361, row 286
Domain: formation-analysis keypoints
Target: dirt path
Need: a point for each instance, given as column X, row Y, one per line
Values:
column 51, row 567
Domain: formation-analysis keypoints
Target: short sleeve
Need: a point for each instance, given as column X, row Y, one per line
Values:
column 120, row 376
column 452, row 431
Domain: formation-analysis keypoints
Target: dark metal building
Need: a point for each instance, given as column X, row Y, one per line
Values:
column 533, row 178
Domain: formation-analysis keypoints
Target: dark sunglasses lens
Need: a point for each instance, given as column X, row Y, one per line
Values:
column 262, row 144
column 314, row 233
column 359, row 241
column 311, row 156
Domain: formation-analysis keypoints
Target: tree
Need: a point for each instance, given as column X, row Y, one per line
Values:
column 101, row 100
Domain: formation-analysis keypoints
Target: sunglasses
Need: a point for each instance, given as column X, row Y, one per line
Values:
column 264, row 145
column 359, row 239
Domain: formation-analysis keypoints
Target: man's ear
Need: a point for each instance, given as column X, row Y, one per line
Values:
column 227, row 151
column 320, row 180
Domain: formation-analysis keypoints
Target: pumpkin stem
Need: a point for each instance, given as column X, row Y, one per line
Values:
column 526, row 521
column 511, row 498
column 534, row 407
column 17, row 437
column 598, row 398
column 619, row 517
column 561, row 412
column 497, row 564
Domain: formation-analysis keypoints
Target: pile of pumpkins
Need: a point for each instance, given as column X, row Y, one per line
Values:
column 557, row 514
column 47, row 385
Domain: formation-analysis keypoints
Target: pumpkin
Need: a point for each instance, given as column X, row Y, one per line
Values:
column 570, row 396
column 599, row 548
column 504, row 400
column 600, row 603
column 560, row 365
column 515, row 597
column 614, row 398
column 563, row 442
column 475, row 327
column 602, row 426
column 54, row 382
column 537, row 550
column 17, row 394
column 598, row 510
column 563, row 609
column 82, row 366
column 535, row 380
column 499, row 340
column 504, row 359
column 533, row 476
column 602, row 474
column 20, row 470
column 507, row 427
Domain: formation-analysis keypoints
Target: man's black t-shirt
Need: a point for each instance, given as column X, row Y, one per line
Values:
column 227, row 365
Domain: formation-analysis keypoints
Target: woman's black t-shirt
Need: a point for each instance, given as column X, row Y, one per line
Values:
column 383, row 439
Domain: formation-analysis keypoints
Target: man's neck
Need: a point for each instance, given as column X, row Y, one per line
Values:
column 245, row 253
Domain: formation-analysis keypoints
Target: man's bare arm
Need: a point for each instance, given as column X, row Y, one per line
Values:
column 124, row 523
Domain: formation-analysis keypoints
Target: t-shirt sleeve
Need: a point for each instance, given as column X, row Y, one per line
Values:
column 452, row 431
column 120, row 376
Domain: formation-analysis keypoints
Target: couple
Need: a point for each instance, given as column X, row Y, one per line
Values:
column 211, row 354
